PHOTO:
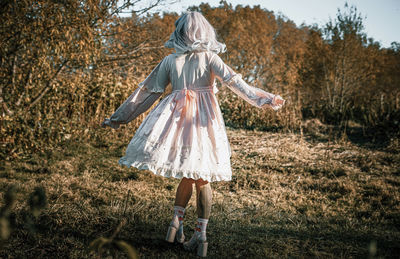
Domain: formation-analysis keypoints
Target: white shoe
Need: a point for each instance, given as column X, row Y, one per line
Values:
column 175, row 231
column 198, row 241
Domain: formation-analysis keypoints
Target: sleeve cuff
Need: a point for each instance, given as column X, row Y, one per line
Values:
column 156, row 88
column 275, row 106
column 111, row 124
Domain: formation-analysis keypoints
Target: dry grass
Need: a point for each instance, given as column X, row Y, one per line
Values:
column 290, row 196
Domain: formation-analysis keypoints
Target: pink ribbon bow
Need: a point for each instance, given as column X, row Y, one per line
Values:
column 184, row 98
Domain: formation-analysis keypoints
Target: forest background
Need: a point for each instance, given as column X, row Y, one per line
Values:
column 319, row 178
column 67, row 65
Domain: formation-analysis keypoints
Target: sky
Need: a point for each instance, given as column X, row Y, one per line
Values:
column 382, row 17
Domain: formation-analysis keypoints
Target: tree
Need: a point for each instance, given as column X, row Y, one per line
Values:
column 345, row 63
column 267, row 50
column 44, row 47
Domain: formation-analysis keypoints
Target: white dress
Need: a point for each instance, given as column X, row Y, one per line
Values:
column 184, row 135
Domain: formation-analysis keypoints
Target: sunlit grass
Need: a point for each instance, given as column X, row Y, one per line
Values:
column 290, row 196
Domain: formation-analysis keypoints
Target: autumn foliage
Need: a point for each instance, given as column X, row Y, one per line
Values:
column 66, row 65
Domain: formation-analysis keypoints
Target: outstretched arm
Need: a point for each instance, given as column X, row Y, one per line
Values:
column 254, row 96
column 137, row 103
column 142, row 98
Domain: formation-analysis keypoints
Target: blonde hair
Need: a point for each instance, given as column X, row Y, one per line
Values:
column 194, row 33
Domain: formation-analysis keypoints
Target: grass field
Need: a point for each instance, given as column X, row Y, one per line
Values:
column 291, row 196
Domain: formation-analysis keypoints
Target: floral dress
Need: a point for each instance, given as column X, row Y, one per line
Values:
column 185, row 135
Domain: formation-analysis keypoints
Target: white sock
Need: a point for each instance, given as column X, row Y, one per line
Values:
column 179, row 213
column 201, row 227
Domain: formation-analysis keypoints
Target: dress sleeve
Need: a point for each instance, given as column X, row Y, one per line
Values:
column 254, row 96
column 142, row 98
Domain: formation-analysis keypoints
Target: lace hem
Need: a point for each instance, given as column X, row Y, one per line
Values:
column 175, row 173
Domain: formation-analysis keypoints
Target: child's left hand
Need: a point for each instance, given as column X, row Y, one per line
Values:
column 107, row 122
column 103, row 124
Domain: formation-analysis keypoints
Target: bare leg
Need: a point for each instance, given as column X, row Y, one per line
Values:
column 184, row 192
column 204, row 198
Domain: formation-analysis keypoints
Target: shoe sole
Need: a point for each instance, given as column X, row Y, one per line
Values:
column 171, row 235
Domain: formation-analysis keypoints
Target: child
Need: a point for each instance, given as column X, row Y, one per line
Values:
column 184, row 136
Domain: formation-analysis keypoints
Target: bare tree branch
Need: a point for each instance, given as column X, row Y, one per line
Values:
column 48, row 87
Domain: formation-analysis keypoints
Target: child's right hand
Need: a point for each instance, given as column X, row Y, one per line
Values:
column 278, row 100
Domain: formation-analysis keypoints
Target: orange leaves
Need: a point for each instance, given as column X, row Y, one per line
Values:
column 75, row 61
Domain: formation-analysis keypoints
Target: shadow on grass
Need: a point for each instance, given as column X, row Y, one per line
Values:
column 230, row 239
column 280, row 241
column 371, row 139
column 325, row 237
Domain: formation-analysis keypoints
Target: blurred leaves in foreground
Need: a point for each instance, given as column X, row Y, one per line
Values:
column 36, row 202
column 99, row 245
